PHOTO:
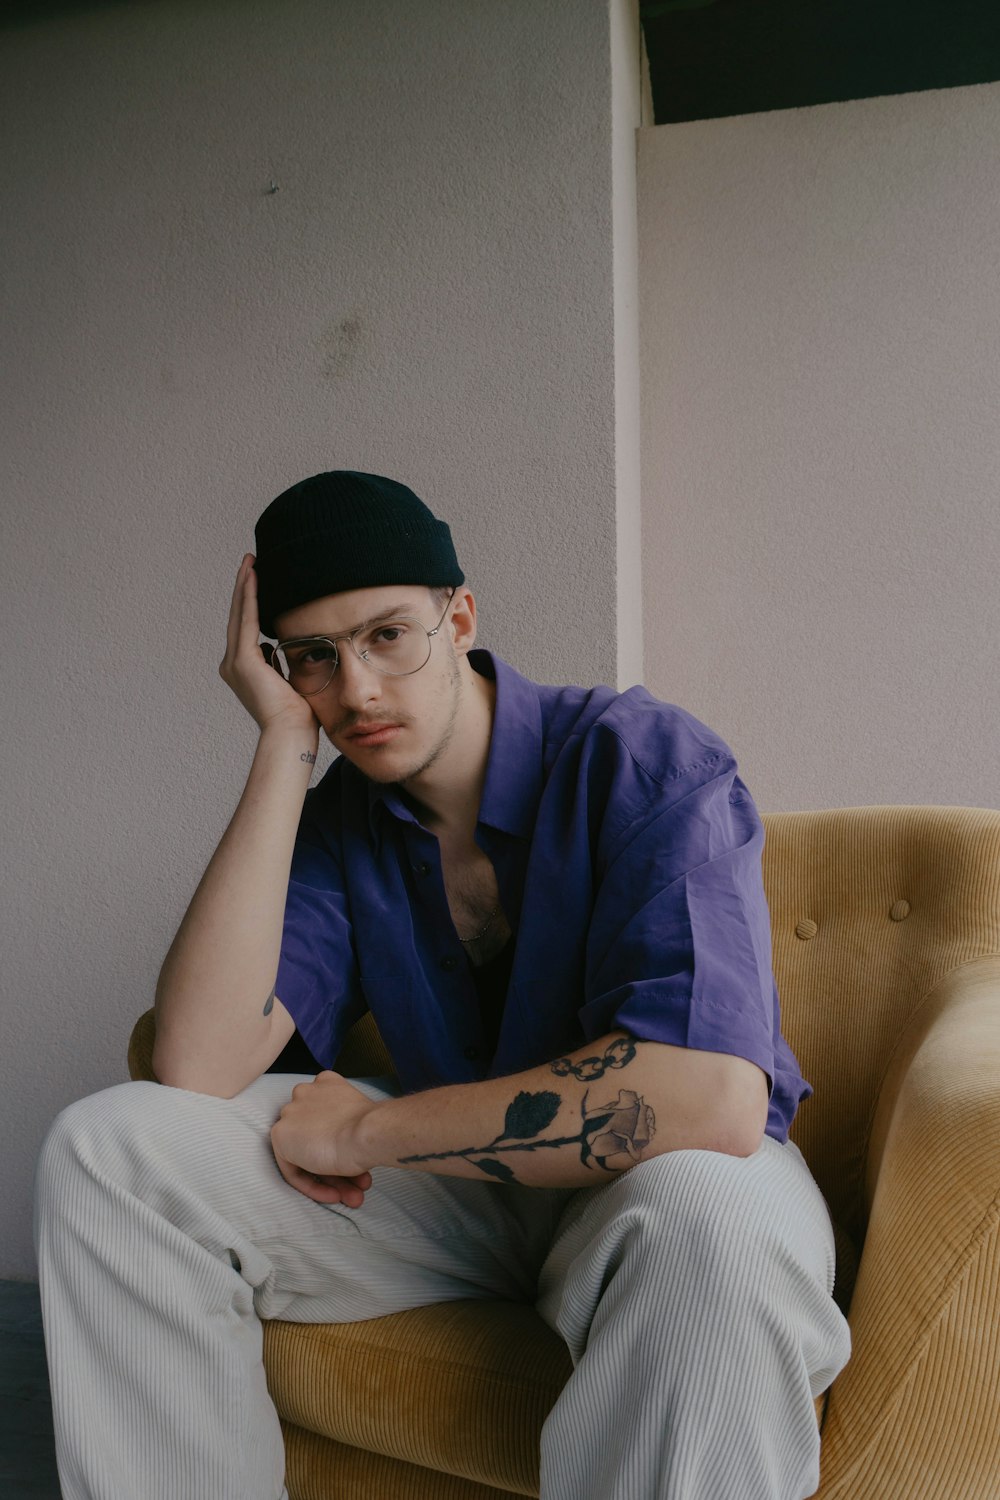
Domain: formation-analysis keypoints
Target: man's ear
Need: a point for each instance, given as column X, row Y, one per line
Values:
column 462, row 618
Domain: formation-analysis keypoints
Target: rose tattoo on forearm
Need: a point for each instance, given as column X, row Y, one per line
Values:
column 626, row 1128
column 612, row 1136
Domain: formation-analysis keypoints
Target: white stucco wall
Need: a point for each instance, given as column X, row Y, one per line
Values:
column 428, row 293
column 820, row 364
column 629, row 104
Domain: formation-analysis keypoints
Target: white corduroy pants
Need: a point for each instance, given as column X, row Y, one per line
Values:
column 693, row 1292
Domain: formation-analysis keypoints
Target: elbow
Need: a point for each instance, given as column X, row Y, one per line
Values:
column 186, row 1073
column 729, row 1137
column 739, row 1131
column 206, row 1061
column 738, row 1138
column 211, row 1087
column 737, row 1124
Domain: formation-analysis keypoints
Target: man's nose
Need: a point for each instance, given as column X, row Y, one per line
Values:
column 355, row 682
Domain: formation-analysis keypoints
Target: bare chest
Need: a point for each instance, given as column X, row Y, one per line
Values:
column 470, row 884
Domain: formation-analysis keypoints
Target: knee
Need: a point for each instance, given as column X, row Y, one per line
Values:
column 703, row 1210
column 82, row 1133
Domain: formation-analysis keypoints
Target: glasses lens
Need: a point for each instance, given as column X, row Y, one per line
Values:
column 396, row 647
column 307, row 665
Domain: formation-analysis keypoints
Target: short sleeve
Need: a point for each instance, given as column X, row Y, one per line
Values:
column 318, row 980
column 680, row 942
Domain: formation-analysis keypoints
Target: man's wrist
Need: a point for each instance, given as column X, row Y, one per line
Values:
column 368, row 1137
column 296, row 740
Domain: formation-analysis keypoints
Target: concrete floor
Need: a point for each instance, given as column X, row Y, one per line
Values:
column 27, row 1451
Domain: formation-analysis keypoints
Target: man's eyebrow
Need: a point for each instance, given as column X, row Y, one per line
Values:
column 387, row 614
column 392, row 613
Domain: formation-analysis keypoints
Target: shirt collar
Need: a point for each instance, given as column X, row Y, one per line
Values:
column 513, row 785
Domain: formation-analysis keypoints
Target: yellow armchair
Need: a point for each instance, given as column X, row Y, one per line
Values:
column 886, row 930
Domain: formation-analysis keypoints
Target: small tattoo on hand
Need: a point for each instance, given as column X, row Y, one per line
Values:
column 310, row 760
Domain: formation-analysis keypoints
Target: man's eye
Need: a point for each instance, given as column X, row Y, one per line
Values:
column 387, row 635
column 312, row 656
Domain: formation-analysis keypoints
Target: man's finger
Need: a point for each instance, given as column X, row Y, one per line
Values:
column 346, row 1190
column 235, row 610
column 326, row 1189
column 250, row 617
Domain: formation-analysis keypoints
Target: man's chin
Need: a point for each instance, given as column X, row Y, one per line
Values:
column 381, row 767
column 381, row 775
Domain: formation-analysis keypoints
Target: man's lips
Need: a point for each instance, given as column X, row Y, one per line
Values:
column 372, row 734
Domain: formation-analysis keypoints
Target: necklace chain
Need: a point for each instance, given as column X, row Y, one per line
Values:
column 483, row 930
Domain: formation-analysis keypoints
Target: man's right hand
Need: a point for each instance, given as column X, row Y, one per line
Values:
column 261, row 688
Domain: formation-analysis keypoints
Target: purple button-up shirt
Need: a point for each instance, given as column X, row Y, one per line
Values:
column 628, row 857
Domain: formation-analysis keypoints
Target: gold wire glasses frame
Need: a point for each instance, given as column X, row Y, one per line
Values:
column 391, row 647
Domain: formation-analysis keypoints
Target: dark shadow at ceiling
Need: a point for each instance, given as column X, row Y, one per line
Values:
column 731, row 57
column 29, row 12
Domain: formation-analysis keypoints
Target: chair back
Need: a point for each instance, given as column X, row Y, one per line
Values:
column 870, row 908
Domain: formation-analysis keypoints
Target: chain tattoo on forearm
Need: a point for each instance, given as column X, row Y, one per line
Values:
column 616, row 1055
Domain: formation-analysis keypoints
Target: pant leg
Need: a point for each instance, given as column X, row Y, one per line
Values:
column 165, row 1232
column 694, row 1294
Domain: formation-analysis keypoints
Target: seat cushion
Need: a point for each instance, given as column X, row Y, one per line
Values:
column 459, row 1387
column 317, row 1468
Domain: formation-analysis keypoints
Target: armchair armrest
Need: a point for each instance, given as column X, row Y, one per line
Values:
column 140, row 1048
column 917, row 1411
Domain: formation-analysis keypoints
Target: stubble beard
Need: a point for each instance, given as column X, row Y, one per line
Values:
column 444, row 739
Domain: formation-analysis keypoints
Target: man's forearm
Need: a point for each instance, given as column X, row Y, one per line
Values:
column 576, row 1121
column 213, row 1008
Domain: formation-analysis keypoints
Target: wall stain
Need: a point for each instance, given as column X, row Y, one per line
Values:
column 343, row 343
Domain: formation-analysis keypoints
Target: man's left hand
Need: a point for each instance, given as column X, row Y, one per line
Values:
column 314, row 1141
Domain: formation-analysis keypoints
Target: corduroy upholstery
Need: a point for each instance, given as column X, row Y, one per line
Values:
column 886, row 926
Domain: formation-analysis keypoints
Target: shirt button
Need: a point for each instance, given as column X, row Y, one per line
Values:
column 449, row 963
column 423, row 869
column 472, row 1053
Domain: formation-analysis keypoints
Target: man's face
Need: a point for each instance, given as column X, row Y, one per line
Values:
column 391, row 728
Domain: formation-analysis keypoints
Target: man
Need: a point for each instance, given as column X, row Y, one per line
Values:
column 551, row 901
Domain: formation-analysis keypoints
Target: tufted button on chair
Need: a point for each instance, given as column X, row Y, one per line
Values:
column 886, row 933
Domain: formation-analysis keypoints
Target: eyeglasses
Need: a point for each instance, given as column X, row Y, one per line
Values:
column 396, row 647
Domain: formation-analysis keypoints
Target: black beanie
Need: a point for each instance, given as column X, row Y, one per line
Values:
column 345, row 530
